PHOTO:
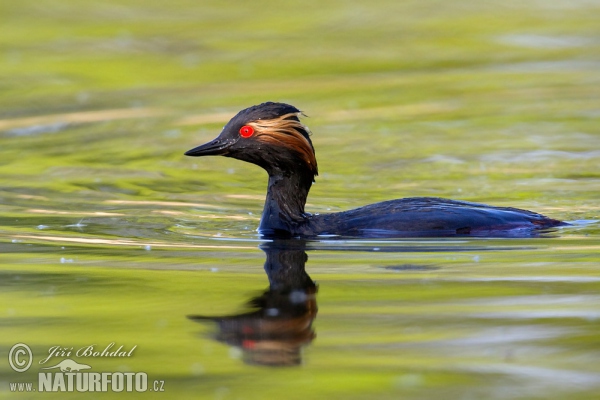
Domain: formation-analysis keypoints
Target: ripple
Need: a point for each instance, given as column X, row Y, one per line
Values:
column 531, row 279
column 544, row 41
column 539, row 156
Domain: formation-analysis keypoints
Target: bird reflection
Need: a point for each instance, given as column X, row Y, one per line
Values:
column 281, row 325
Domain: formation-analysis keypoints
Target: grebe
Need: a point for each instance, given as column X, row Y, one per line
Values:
column 271, row 136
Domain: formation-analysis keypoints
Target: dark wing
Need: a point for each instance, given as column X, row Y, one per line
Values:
column 430, row 216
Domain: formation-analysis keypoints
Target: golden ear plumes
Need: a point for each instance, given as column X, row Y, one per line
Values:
column 284, row 131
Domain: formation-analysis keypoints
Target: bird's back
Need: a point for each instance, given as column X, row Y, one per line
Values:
column 429, row 216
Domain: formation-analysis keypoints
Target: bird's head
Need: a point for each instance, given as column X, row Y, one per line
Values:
column 269, row 135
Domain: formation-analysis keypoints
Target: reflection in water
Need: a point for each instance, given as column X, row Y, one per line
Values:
column 275, row 333
column 281, row 324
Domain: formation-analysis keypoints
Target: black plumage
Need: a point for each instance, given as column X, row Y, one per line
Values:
column 271, row 136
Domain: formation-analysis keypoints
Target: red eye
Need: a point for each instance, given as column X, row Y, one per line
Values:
column 246, row 131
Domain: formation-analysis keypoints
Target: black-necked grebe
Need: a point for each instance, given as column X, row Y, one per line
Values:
column 271, row 136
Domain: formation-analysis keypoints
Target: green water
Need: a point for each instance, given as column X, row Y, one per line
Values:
column 108, row 234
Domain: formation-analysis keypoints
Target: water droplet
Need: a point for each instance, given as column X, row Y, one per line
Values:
column 298, row 297
column 272, row 312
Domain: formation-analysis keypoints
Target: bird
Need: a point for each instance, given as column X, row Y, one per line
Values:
column 272, row 136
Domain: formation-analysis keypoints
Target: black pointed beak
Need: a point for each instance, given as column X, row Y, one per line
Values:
column 216, row 147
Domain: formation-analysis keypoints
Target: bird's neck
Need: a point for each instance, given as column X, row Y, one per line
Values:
column 285, row 265
column 284, row 205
